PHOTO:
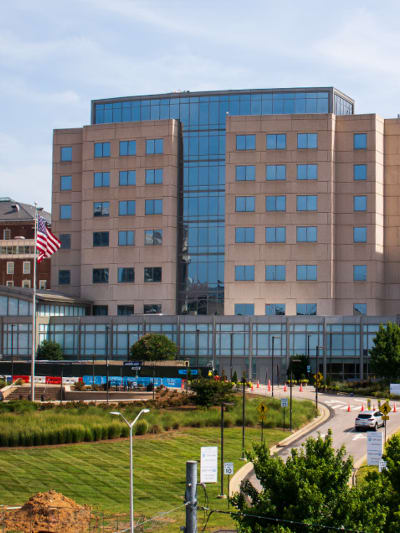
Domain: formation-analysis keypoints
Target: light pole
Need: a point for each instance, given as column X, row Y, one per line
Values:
column 107, row 369
column 316, row 376
column 231, row 356
column 243, row 416
column 291, row 397
column 273, row 363
column 130, row 425
column 197, row 348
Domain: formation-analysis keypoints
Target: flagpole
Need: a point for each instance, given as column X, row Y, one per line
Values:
column 34, row 311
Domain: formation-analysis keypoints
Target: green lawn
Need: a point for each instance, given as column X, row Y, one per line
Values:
column 98, row 473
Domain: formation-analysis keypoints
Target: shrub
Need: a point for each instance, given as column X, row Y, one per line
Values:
column 50, row 350
column 153, row 347
column 141, row 427
column 210, row 392
column 155, row 428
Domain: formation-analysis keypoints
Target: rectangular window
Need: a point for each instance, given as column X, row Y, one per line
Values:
column 307, row 140
column 101, row 209
column 152, row 309
column 244, row 273
column 245, row 142
column 64, row 277
column 9, row 283
column 306, row 203
column 42, row 284
column 65, row 212
column 154, row 176
column 66, row 153
column 306, row 309
column 306, row 272
column 100, row 275
column 275, row 273
column 307, row 172
column 244, row 309
column 26, row 283
column 359, row 272
column 244, row 234
column 65, row 183
column 26, row 267
column 127, row 207
column 65, row 239
column 100, row 310
column 125, row 310
column 245, row 173
column 359, row 309
column 306, row 234
column 245, row 203
column 102, row 149
column 126, row 275
column 276, row 141
column 360, row 141
column 127, row 177
column 127, row 147
column 101, row 179
column 126, row 238
column 275, row 203
column 10, row 267
column 360, row 234
column 275, row 234
column 152, row 274
column 6, row 234
column 360, row 172
column 275, row 309
column 360, row 203
column 275, row 172
column 154, row 146
column 153, row 237
column 153, row 207
column 100, row 238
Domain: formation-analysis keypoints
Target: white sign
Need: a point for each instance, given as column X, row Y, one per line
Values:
column 374, row 448
column 228, row 469
column 284, row 402
column 209, row 464
column 395, row 388
column 382, row 465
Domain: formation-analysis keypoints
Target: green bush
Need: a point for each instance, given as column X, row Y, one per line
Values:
column 141, row 427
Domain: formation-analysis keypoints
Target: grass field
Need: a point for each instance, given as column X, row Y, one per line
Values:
column 98, row 473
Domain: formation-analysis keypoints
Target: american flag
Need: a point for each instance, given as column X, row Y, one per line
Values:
column 46, row 243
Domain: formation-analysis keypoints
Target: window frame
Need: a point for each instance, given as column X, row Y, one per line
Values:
column 275, row 272
column 273, row 141
column 277, row 231
column 152, row 269
column 67, row 277
column 126, row 270
column 154, row 241
column 307, row 174
column 154, row 146
column 127, row 205
column 104, row 205
column 307, row 199
column 275, row 314
column 96, row 278
column 126, row 233
column 245, row 142
column 308, row 229
column 68, row 151
column 248, row 175
column 360, row 273
column 245, row 234
column 127, row 148
column 274, row 174
column 153, row 176
column 102, row 149
column 357, row 199
column 308, row 138
column 275, row 199
column 68, row 208
column 246, row 199
column 244, row 272
column 128, row 174
column 364, row 234
column 311, row 273
column 358, row 136
column 68, row 179
column 103, row 178
column 96, row 239
column 155, row 203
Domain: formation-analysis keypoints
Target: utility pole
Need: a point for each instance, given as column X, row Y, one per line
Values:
column 316, row 376
column 191, row 497
column 243, row 415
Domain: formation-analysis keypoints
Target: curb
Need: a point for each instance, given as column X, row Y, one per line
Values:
column 242, row 473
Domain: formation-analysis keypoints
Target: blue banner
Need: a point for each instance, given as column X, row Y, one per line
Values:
column 129, row 382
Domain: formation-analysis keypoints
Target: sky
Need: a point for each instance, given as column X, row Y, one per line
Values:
column 56, row 56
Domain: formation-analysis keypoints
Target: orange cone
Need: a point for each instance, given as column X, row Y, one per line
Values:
column 348, row 408
column 362, row 407
column 394, row 408
column 252, row 388
column 258, row 384
column 269, row 385
column 284, row 388
column 182, row 383
column 301, row 388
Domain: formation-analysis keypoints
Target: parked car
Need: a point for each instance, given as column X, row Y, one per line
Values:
column 369, row 420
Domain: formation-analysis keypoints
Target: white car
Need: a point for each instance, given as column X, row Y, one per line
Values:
column 369, row 420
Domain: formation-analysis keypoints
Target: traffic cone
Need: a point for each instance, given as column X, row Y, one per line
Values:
column 284, row 388
column 269, row 385
column 394, row 408
column 182, row 383
column 258, row 384
column 301, row 387
column 362, row 407
column 252, row 388
column 348, row 408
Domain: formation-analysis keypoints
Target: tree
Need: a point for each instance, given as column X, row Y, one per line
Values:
column 153, row 347
column 50, row 350
column 385, row 353
column 210, row 392
column 299, row 368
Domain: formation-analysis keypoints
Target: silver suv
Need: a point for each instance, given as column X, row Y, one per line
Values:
column 369, row 420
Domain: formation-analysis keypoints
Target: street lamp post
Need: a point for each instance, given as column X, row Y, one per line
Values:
column 316, row 376
column 231, row 356
column 291, row 393
column 130, row 425
column 107, row 370
column 273, row 363
column 197, row 348
column 243, row 416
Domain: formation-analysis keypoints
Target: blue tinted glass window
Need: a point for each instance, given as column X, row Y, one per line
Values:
column 154, row 176
column 154, row 146
column 275, row 273
column 306, row 272
column 244, row 234
column 102, row 149
column 64, row 277
column 306, row 203
column 306, row 234
column 360, row 172
column 359, row 309
column 153, row 237
column 245, row 142
column 127, row 177
column 360, row 272
column 65, row 211
column 360, row 234
column 66, row 153
column 275, row 309
column 101, row 209
column 127, row 207
column 307, row 172
column 275, row 172
column 126, row 275
column 127, row 148
column 126, row 238
column 153, row 207
column 245, row 173
column 306, row 309
column 275, row 203
column 276, row 141
column 101, row 179
column 244, row 273
column 360, row 141
column 307, row 140
column 65, row 183
column 275, row 234
column 245, row 203
column 360, row 203
column 100, row 275
column 244, row 309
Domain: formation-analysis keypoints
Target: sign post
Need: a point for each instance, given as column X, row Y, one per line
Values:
column 385, row 409
column 262, row 415
column 284, row 404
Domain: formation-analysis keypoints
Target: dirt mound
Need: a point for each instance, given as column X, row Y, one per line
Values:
column 49, row 512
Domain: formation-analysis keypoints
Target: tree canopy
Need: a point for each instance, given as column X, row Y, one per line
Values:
column 50, row 350
column 208, row 392
column 153, row 347
column 385, row 353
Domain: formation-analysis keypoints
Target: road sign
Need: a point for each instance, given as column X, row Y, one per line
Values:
column 385, row 409
column 284, row 402
column 262, row 411
column 385, row 417
column 382, row 465
column 133, row 363
column 374, row 448
column 308, row 368
column 228, row 469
